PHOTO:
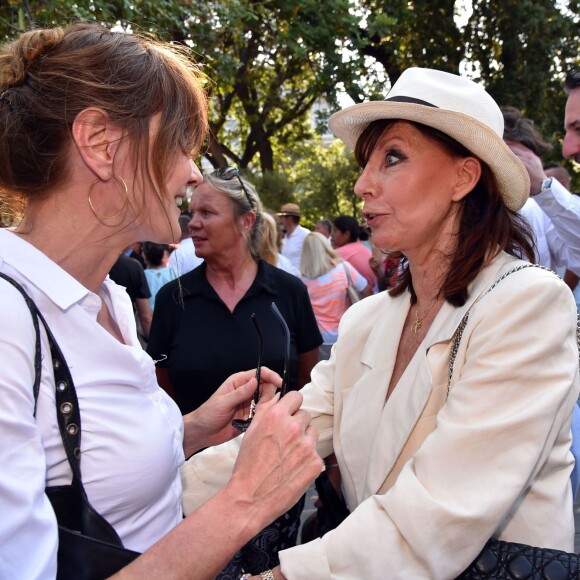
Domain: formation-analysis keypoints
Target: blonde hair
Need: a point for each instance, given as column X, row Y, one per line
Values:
column 268, row 247
column 318, row 257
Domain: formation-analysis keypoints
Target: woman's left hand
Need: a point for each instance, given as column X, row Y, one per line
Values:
column 211, row 424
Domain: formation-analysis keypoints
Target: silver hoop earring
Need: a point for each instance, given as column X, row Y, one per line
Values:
column 125, row 193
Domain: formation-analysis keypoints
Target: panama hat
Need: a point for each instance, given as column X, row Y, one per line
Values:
column 455, row 106
column 290, row 209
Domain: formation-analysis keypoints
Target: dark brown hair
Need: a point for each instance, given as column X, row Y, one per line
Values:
column 572, row 81
column 48, row 76
column 523, row 130
column 486, row 225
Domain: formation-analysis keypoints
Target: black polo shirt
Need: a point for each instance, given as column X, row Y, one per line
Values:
column 129, row 273
column 205, row 343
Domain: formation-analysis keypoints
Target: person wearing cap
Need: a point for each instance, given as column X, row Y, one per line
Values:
column 294, row 235
column 447, row 400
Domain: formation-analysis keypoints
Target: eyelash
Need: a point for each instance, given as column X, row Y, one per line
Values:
column 399, row 157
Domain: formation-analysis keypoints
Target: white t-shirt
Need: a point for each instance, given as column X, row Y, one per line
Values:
column 292, row 245
column 132, row 432
column 184, row 259
column 285, row 264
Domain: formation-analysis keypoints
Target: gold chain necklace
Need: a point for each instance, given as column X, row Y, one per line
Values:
column 417, row 325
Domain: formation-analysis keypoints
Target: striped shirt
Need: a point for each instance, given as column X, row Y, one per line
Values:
column 329, row 298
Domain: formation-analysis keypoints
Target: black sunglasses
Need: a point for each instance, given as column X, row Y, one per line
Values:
column 229, row 173
column 243, row 424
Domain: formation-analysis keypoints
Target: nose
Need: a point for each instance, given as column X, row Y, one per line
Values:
column 196, row 177
column 362, row 185
column 192, row 224
column 571, row 145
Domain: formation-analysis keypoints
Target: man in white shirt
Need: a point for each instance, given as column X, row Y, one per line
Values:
column 184, row 259
column 553, row 212
column 289, row 216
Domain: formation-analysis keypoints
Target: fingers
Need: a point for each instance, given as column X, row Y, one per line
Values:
column 269, row 376
column 242, row 393
column 278, row 458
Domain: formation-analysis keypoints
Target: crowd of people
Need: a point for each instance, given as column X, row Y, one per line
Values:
column 426, row 355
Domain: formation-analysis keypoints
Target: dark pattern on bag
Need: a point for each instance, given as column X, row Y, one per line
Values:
column 261, row 552
column 512, row 561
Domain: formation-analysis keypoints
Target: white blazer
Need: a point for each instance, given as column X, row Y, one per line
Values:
column 431, row 475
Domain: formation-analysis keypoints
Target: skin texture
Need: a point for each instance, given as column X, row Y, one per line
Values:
column 338, row 238
column 571, row 144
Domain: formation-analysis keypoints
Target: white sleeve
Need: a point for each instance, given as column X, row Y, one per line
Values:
column 512, row 400
column 28, row 531
column 563, row 209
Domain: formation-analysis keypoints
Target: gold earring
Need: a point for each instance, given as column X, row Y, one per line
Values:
column 125, row 193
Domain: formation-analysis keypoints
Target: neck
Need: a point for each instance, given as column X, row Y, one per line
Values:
column 231, row 270
column 428, row 277
column 81, row 247
column 291, row 228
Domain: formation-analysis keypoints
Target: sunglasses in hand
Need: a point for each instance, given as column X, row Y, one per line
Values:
column 243, row 424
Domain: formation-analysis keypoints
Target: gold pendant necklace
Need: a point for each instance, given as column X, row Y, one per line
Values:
column 418, row 324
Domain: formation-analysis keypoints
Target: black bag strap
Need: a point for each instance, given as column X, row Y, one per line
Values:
column 67, row 406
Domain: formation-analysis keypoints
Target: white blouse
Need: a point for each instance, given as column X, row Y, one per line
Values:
column 132, row 432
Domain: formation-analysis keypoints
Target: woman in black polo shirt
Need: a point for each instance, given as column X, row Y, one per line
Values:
column 202, row 328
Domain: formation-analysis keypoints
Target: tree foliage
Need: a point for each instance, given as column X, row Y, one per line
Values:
column 271, row 61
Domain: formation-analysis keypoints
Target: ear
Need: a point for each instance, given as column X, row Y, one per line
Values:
column 248, row 220
column 468, row 174
column 97, row 140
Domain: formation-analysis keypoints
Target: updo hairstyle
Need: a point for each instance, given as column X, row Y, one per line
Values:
column 47, row 77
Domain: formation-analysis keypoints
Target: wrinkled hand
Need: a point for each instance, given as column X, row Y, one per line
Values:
column 532, row 163
column 277, row 460
column 211, row 424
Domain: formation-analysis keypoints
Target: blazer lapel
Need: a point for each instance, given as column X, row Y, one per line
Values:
column 373, row 433
column 363, row 403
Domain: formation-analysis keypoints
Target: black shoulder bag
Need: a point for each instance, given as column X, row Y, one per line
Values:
column 509, row 560
column 89, row 548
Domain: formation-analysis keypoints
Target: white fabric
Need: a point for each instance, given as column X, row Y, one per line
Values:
column 550, row 249
column 285, row 264
column 184, row 259
column 563, row 210
column 132, row 432
column 492, row 457
column 292, row 245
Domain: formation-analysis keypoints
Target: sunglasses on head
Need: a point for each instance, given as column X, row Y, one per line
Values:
column 229, row 173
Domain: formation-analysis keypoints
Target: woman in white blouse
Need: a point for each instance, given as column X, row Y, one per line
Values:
column 98, row 130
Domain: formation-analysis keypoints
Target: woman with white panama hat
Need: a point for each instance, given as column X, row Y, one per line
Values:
column 442, row 443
